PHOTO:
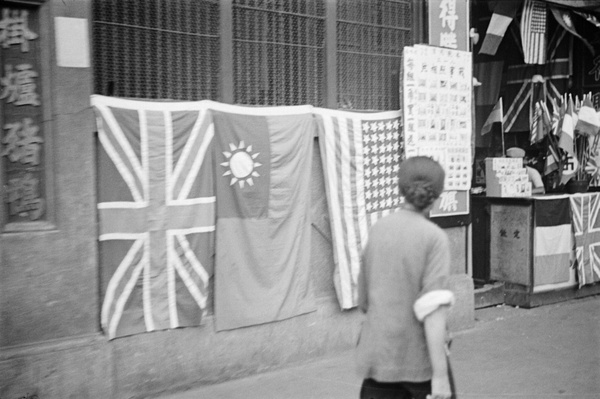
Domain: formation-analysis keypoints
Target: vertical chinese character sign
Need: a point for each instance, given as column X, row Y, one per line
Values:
column 21, row 135
column 449, row 23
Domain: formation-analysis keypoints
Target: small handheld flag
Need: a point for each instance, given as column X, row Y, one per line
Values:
column 495, row 116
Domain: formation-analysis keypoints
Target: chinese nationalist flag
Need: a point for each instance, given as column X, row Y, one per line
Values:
column 263, row 160
column 155, row 213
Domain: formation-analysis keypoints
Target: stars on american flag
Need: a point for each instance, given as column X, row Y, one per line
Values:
column 383, row 151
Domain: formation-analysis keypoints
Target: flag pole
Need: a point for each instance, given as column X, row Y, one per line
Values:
column 502, row 126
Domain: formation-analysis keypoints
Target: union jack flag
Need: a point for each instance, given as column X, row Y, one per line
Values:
column 521, row 92
column 586, row 224
column 156, row 215
column 361, row 158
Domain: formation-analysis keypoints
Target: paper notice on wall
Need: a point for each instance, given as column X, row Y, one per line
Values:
column 436, row 101
column 72, row 42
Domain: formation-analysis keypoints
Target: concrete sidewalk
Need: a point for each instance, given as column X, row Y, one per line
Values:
column 548, row 352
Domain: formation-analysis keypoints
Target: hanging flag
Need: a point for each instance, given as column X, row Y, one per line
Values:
column 262, row 265
column 156, row 209
column 553, row 240
column 586, row 224
column 587, row 5
column 533, row 31
column 361, row 154
column 504, row 12
column 589, row 17
column 588, row 122
column 565, row 19
column 495, row 116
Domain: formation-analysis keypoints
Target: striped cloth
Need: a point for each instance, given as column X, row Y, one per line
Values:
column 533, row 31
column 504, row 12
column 361, row 154
column 552, row 246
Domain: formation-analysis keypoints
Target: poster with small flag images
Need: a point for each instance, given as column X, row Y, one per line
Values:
column 436, row 105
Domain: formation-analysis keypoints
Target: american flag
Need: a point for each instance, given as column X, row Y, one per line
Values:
column 156, row 210
column 586, row 224
column 361, row 154
column 533, row 31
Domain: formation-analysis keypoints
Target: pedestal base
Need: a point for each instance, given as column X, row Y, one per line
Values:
column 517, row 295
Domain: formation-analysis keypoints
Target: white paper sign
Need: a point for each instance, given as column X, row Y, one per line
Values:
column 72, row 42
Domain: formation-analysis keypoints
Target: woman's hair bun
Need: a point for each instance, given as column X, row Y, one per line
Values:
column 421, row 181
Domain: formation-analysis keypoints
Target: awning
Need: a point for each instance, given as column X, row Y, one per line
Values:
column 587, row 5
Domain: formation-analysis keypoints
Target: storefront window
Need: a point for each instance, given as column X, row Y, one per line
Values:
column 172, row 49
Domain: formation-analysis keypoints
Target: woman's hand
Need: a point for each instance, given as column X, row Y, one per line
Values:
column 435, row 333
column 440, row 388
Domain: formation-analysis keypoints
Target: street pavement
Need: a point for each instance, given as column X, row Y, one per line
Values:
column 551, row 351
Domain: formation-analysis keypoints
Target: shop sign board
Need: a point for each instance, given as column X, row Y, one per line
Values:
column 22, row 156
column 449, row 24
column 451, row 203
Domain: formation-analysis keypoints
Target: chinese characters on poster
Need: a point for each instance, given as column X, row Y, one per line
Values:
column 437, row 109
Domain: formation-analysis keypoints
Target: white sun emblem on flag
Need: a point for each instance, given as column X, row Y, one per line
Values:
column 241, row 164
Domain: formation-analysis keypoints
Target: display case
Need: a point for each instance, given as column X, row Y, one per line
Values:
column 528, row 244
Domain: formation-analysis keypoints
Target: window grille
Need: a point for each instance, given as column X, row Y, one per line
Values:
column 278, row 51
column 156, row 48
column 371, row 36
column 170, row 49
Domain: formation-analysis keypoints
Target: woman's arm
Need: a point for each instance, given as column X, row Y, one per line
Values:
column 435, row 334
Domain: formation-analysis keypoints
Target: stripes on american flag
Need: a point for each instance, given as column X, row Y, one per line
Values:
column 586, row 224
column 159, row 150
column 533, row 31
column 361, row 154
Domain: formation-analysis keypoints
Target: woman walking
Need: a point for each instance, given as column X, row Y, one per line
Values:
column 402, row 288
